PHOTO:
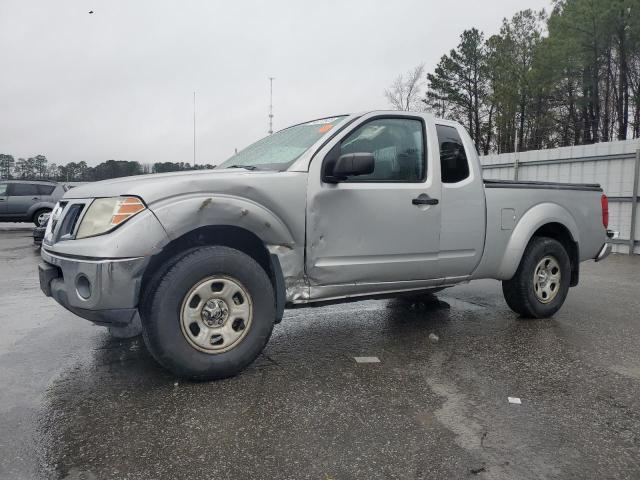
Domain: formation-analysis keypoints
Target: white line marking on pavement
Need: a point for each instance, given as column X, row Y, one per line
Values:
column 367, row 359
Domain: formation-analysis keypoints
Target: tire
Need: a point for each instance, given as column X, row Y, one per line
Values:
column 37, row 217
column 539, row 298
column 209, row 345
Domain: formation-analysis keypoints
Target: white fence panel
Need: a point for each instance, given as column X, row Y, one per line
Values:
column 611, row 164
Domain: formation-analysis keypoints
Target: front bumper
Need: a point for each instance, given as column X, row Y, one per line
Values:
column 38, row 235
column 104, row 291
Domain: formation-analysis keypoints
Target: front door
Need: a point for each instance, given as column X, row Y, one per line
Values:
column 380, row 228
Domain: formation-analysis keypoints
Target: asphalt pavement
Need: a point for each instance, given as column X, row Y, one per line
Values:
column 77, row 404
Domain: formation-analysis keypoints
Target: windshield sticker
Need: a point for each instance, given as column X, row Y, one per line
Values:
column 324, row 121
column 325, row 128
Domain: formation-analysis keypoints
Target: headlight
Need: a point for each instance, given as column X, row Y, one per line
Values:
column 105, row 214
column 55, row 214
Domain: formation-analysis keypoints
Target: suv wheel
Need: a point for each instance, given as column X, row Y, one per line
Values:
column 210, row 315
column 540, row 285
column 41, row 216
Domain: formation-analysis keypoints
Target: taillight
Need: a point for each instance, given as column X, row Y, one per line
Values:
column 604, row 201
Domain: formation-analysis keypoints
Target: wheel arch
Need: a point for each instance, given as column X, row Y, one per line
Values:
column 231, row 236
column 561, row 233
column 543, row 220
column 33, row 209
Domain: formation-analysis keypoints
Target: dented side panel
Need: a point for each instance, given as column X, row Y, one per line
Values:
column 271, row 206
column 292, row 264
column 370, row 236
column 188, row 212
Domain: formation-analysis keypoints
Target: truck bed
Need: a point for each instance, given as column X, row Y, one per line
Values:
column 517, row 208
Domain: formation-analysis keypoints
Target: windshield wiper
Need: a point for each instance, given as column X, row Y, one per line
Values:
column 247, row 167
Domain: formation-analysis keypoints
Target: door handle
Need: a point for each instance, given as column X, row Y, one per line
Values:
column 424, row 199
column 35, row 198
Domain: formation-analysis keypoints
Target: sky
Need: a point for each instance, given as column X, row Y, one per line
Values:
column 118, row 83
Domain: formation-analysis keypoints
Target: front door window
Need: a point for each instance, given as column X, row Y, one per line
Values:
column 397, row 145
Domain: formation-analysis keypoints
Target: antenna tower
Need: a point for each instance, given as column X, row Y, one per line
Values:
column 271, row 105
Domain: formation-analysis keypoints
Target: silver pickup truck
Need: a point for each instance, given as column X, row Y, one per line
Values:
column 371, row 205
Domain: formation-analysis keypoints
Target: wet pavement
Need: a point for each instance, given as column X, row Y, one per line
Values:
column 76, row 404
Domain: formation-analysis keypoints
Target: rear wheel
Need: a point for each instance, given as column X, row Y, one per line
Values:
column 540, row 285
column 211, row 314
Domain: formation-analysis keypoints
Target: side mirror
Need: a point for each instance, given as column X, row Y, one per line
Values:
column 349, row 165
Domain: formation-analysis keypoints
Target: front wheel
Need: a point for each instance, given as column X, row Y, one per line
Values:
column 211, row 314
column 541, row 284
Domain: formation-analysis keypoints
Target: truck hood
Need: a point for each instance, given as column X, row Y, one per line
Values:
column 159, row 186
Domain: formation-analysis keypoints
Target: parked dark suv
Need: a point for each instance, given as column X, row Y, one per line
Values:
column 28, row 201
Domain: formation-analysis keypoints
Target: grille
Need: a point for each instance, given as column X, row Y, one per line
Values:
column 68, row 222
column 55, row 218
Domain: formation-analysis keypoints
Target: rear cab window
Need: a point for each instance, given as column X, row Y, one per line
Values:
column 454, row 165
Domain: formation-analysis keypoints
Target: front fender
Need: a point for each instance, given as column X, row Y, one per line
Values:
column 529, row 223
column 180, row 215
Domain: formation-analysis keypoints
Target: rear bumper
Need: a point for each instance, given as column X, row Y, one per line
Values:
column 104, row 291
column 604, row 252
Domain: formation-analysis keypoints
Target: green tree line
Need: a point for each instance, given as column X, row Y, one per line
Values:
column 570, row 77
column 38, row 168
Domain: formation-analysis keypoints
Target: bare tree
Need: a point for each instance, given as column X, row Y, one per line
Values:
column 405, row 92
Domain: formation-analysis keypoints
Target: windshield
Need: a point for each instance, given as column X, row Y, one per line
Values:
column 280, row 150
